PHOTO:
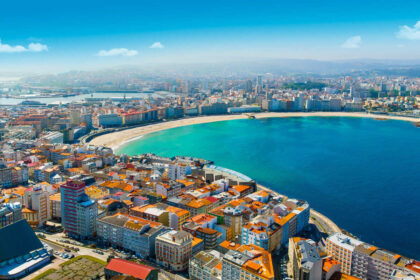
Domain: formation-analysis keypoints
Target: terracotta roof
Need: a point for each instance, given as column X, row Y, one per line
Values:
column 129, row 268
column 328, row 264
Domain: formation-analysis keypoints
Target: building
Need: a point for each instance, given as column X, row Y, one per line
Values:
column 55, row 202
column 120, row 267
column 87, row 213
column 247, row 262
column 178, row 171
column 110, row 120
column 263, row 231
column 244, row 109
column 170, row 216
column 130, row 233
column 173, row 250
column 21, row 252
column 54, row 137
column 206, row 265
column 341, row 247
column 329, row 268
column 404, row 275
column 217, row 108
column 10, row 213
column 37, row 199
column 12, row 176
column 304, row 258
column 370, row 262
column 78, row 212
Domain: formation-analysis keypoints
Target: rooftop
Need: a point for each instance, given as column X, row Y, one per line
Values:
column 133, row 269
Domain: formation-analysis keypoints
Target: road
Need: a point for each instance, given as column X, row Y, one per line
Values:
column 55, row 240
column 323, row 223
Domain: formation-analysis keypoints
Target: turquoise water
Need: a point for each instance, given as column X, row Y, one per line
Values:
column 362, row 173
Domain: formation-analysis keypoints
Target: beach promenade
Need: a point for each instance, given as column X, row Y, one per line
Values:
column 116, row 139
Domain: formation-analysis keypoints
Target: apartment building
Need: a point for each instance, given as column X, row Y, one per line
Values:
column 173, row 249
column 37, row 200
column 206, row 265
column 370, row 262
column 130, row 233
column 262, row 231
column 247, row 262
column 10, row 213
column 78, row 212
column 304, row 258
column 341, row 247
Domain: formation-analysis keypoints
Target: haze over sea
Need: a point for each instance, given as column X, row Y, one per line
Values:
column 362, row 173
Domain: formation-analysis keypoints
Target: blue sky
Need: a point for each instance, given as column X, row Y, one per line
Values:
column 62, row 35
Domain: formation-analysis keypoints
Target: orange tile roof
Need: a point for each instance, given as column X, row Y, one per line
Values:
column 202, row 218
column 229, row 245
column 328, row 264
column 414, row 266
column 241, row 188
column 198, row 203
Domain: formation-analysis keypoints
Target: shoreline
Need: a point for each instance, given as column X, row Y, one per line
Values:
column 117, row 139
column 314, row 215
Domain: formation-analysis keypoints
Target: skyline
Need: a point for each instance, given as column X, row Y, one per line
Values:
column 51, row 37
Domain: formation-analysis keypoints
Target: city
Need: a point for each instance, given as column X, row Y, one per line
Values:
column 210, row 140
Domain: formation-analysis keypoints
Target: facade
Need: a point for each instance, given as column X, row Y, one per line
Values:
column 53, row 138
column 304, row 258
column 87, row 213
column 263, row 231
column 341, row 247
column 178, row 171
column 55, row 202
column 78, row 212
column 110, row 120
column 370, row 262
column 173, row 249
column 37, row 199
column 130, row 233
column 10, row 213
column 14, row 176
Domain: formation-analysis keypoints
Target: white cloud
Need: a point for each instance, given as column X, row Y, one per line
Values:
column 118, row 52
column 410, row 33
column 32, row 47
column 157, row 45
column 352, row 43
column 37, row 47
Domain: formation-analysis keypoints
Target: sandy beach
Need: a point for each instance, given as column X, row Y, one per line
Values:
column 116, row 139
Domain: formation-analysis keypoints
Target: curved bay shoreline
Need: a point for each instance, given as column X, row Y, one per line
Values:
column 115, row 140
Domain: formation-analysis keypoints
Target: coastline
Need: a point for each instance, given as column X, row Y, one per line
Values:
column 314, row 215
column 115, row 140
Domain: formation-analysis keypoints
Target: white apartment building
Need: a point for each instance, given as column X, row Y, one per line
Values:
column 178, row 170
column 38, row 199
column 341, row 247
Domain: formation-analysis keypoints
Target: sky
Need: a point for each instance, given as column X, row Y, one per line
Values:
column 58, row 36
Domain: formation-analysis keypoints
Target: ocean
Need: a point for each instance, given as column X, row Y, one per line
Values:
column 362, row 173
